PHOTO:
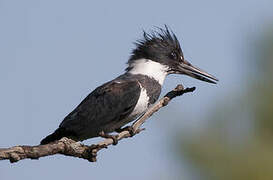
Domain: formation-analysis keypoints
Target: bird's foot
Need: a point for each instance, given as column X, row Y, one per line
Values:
column 130, row 129
column 113, row 137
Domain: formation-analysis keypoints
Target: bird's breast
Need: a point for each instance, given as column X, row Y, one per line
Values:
column 142, row 103
column 140, row 107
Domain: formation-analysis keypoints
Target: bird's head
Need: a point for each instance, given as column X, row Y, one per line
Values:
column 159, row 54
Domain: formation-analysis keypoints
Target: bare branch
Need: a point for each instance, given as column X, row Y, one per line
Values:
column 69, row 147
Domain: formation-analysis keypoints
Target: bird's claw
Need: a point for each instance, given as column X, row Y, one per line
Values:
column 130, row 129
column 113, row 137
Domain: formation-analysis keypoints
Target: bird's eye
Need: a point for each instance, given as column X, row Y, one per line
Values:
column 173, row 55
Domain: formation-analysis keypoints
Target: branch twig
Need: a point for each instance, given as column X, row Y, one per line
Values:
column 69, row 147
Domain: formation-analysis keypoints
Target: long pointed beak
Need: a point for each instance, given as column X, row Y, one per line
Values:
column 186, row 68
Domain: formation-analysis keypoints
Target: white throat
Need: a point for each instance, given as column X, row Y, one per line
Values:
column 149, row 68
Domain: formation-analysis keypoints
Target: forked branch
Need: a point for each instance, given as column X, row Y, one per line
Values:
column 69, row 147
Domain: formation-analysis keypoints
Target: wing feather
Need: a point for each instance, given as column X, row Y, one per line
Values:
column 106, row 105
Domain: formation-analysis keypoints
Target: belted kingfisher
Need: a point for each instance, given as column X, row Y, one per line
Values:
column 114, row 104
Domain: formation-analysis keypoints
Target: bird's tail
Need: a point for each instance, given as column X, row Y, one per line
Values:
column 57, row 135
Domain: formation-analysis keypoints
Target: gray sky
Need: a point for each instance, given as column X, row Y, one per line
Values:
column 53, row 53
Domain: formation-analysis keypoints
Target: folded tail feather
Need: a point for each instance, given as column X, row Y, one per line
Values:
column 57, row 135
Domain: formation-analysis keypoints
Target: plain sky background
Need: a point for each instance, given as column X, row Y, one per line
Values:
column 54, row 52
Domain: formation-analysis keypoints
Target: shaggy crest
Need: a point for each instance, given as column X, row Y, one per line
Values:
column 160, row 40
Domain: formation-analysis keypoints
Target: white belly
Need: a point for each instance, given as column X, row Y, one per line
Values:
column 141, row 106
column 142, row 103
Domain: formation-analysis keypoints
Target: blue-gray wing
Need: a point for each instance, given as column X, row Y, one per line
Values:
column 106, row 106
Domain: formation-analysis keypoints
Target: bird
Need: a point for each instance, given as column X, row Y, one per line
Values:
column 120, row 101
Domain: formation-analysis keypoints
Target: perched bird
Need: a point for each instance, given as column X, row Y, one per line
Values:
column 114, row 104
